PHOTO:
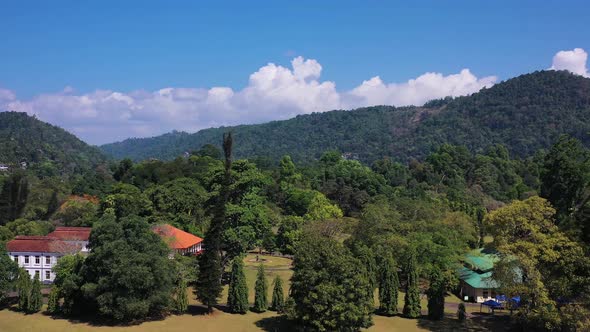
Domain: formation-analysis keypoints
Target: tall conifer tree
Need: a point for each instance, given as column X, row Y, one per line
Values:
column 237, row 296
column 388, row 287
column 24, row 289
column 36, row 298
column 278, row 297
column 261, row 290
column 436, row 296
column 210, row 266
column 412, row 307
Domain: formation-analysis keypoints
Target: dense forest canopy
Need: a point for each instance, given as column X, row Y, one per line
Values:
column 48, row 149
column 526, row 113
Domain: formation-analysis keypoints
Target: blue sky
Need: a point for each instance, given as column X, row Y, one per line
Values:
column 130, row 46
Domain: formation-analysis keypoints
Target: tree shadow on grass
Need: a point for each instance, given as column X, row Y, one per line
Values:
column 477, row 323
column 276, row 324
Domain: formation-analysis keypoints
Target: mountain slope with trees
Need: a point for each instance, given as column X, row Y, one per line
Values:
column 45, row 147
column 526, row 113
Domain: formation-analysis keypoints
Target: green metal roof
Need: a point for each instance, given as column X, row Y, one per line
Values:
column 477, row 280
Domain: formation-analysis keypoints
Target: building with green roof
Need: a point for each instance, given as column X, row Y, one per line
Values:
column 476, row 283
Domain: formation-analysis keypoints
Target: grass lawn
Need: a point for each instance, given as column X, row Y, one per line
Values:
column 220, row 321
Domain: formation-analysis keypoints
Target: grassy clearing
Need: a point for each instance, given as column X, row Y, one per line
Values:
column 221, row 321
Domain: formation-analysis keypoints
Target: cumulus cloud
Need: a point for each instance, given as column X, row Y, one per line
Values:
column 273, row 92
column 573, row 61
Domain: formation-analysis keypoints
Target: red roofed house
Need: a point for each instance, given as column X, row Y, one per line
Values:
column 180, row 241
column 38, row 254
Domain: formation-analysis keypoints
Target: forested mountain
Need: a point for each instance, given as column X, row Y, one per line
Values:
column 525, row 114
column 46, row 148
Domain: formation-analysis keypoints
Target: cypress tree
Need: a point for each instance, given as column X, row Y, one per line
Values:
column 237, row 296
column 36, row 298
column 388, row 287
column 24, row 289
column 412, row 299
column 261, row 289
column 53, row 300
column 209, row 285
column 436, row 296
column 52, row 206
column 278, row 298
column 461, row 313
column 181, row 298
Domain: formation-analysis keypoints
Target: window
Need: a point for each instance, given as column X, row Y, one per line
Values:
column 36, row 273
column 26, row 259
column 47, row 275
column 37, row 260
column 48, row 260
column 16, row 259
column 485, row 294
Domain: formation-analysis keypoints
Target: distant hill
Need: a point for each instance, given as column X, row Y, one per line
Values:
column 41, row 145
column 525, row 113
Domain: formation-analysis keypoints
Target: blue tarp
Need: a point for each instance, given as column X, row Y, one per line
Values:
column 501, row 298
column 492, row 303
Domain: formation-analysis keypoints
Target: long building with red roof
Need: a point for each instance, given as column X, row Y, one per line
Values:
column 38, row 254
column 180, row 241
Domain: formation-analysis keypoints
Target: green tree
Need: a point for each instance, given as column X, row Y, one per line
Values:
column 210, row 265
column 260, row 291
column 237, row 296
column 52, row 205
column 461, row 312
column 329, row 288
column 126, row 200
column 128, row 273
column 436, row 296
column 36, row 298
column 9, row 272
column 180, row 296
column 53, row 300
column 68, row 279
column 278, row 298
column 13, row 197
column 388, row 286
column 412, row 298
column 23, row 288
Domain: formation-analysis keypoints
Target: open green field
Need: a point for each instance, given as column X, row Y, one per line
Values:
column 196, row 319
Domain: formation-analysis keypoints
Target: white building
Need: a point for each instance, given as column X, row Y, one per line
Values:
column 38, row 254
column 3, row 168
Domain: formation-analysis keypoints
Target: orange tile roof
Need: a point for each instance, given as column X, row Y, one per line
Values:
column 44, row 244
column 176, row 238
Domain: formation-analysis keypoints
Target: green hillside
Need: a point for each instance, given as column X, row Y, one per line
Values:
column 44, row 147
column 525, row 113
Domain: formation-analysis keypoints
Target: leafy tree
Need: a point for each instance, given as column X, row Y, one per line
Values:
column 210, row 265
column 69, row 281
column 36, row 298
column 23, row 288
column 53, row 300
column 329, row 287
column 289, row 232
column 180, row 296
column 77, row 212
column 540, row 263
column 128, row 273
column 126, row 200
column 320, row 208
column 237, row 296
column 412, row 298
column 388, row 286
column 436, row 296
column 260, row 291
column 209, row 150
column 13, row 197
column 278, row 298
column 8, row 273
column 53, row 205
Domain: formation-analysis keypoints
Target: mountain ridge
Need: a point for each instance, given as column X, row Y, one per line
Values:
column 525, row 113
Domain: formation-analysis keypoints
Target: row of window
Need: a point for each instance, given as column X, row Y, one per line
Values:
column 47, row 274
column 37, row 259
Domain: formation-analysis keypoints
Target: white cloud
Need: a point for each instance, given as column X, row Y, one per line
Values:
column 573, row 61
column 273, row 92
